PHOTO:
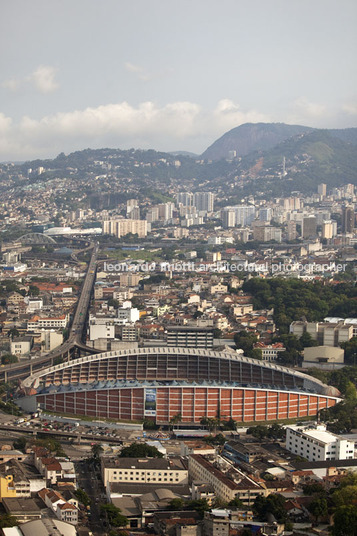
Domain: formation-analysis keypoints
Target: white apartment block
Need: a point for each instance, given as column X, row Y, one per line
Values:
column 37, row 322
column 122, row 227
column 316, row 444
column 128, row 315
column 325, row 333
column 101, row 331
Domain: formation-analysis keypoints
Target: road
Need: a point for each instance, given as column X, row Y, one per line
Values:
column 88, row 480
column 59, row 433
column 22, row 370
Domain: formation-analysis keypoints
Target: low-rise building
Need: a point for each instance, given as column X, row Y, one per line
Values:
column 167, row 472
column 325, row 357
column 21, row 346
column 23, row 509
column 243, row 488
column 64, row 510
column 316, row 444
column 190, row 337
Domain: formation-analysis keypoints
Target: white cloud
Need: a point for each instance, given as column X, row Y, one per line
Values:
column 304, row 111
column 43, row 79
column 177, row 125
column 11, row 84
column 350, row 108
column 228, row 115
column 138, row 71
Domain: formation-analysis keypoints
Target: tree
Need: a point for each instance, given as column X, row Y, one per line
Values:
column 115, row 518
column 311, row 489
column 82, row 496
column 140, row 450
column 200, row 505
column 218, row 439
column 351, row 392
column 318, row 507
column 345, row 495
column 19, row 443
column 273, row 504
column 13, row 332
column 96, row 450
column 6, row 359
column 7, row 521
column 236, row 504
column 345, row 521
column 260, row 431
column 276, row 431
column 176, row 504
column 231, row 424
column 307, row 341
column 175, row 419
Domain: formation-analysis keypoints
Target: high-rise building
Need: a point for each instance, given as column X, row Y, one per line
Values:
column 322, row 189
column 134, row 214
column 309, row 227
column 245, row 214
column 166, row 211
column 122, row 227
column 228, row 216
column 329, row 229
column 203, row 201
column 265, row 214
column 185, row 199
column 291, row 233
column 130, row 205
column 348, row 219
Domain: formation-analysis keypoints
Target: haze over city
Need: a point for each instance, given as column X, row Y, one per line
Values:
column 169, row 75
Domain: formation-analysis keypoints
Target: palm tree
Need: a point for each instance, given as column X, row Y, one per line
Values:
column 96, row 450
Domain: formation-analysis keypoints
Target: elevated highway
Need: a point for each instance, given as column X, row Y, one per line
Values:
column 74, row 345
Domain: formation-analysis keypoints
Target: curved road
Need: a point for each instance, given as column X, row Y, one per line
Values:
column 22, row 370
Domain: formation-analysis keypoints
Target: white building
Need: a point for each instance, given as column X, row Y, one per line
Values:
column 21, row 345
column 316, row 444
column 37, row 322
column 130, row 315
column 101, row 331
column 33, row 304
column 51, row 339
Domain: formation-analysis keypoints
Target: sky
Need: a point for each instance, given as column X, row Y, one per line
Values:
column 169, row 74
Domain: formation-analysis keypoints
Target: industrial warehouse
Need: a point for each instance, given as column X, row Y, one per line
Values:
column 163, row 383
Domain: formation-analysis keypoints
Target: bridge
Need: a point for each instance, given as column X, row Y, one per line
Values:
column 36, row 239
column 76, row 436
column 73, row 346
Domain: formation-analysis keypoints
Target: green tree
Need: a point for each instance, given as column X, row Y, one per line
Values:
column 345, row 521
column 273, row 504
column 7, row 521
column 115, row 518
column 236, row 504
column 13, row 332
column 176, row 504
column 6, row 359
column 20, row 443
column 140, row 450
column 200, row 505
column 318, row 507
column 260, row 431
column 96, row 450
column 311, row 489
column 82, row 496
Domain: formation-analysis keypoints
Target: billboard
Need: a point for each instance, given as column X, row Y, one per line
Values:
column 150, row 403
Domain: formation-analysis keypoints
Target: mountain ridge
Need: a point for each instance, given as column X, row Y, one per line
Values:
column 251, row 137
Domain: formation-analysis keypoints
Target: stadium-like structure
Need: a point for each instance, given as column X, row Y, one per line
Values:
column 163, row 383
